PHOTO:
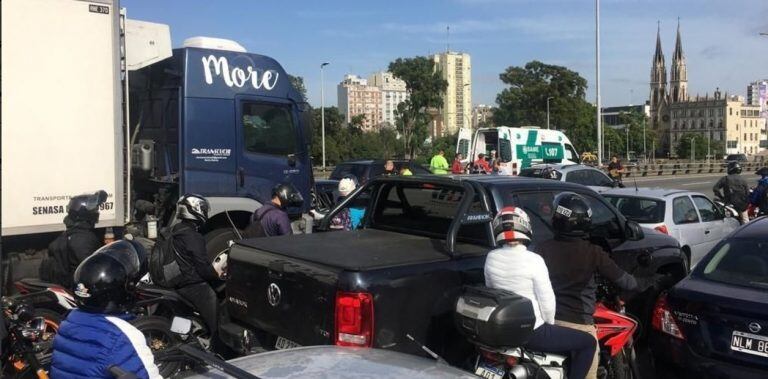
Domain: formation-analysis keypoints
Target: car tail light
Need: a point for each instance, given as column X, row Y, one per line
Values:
column 662, row 228
column 354, row 319
column 663, row 320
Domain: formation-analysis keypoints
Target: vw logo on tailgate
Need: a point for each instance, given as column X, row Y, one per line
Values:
column 273, row 294
column 755, row 327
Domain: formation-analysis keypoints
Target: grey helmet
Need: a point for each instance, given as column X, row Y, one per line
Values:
column 734, row 168
column 193, row 207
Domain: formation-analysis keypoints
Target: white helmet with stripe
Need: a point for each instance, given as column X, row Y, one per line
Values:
column 512, row 224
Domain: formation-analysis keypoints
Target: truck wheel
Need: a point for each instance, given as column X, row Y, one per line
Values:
column 217, row 240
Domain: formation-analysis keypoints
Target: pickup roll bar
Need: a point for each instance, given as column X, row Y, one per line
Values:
column 453, row 230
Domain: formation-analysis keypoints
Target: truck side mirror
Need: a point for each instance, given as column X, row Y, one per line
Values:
column 305, row 118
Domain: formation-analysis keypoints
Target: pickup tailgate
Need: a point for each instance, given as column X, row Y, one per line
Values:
column 287, row 286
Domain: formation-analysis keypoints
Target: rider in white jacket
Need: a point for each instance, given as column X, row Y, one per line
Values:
column 512, row 267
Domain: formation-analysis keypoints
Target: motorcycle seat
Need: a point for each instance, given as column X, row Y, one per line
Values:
column 37, row 283
column 163, row 292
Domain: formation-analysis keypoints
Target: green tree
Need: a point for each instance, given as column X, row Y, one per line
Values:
column 334, row 124
column 425, row 86
column 698, row 143
column 524, row 101
column 298, row 83
column 636, row 122
column 357, row 122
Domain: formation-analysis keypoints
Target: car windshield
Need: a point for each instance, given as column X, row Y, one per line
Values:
column 639, row 209
column 348, row 169
column 739, row 262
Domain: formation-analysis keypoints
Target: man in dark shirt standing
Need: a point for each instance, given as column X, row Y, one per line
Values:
column 734, row 190
column 573, row 262
column 272, row 216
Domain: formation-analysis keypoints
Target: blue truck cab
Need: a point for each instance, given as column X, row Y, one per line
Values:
column 226, row 124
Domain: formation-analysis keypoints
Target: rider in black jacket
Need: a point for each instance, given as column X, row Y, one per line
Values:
column 197, row 271
column 77, row 242
column 573, row 261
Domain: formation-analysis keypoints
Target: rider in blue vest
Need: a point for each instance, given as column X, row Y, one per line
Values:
column 97, row 335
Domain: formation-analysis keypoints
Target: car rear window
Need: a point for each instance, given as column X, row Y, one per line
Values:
column 639, row 209
column 346, row 170
column 739, row 262
column 541, row 173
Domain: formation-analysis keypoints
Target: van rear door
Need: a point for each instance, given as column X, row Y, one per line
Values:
column 462, row 145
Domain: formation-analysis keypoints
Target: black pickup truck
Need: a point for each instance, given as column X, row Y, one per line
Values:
column 422, row 239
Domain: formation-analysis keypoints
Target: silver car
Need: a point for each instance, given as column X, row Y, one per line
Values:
column 691, row 217
column 572, row 173
column 339, row 362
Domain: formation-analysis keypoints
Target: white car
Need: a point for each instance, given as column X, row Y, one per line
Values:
column 691, row 217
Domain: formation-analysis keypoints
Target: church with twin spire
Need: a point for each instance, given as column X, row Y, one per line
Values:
column 727, row 123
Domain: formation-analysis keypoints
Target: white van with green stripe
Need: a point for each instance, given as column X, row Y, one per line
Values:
column 517, row 148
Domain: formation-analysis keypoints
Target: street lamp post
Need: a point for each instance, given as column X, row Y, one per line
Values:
column 627, row 154
column 322, row 107
column 549, row 98
column 597, row 85
column 645, row 153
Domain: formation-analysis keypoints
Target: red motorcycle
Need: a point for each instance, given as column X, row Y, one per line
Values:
column 499, row 322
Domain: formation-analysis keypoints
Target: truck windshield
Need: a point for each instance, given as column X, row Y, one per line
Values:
column 425, row 209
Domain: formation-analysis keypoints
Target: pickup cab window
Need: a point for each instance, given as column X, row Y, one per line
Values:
column 425, row 209
column 268, row 129
column 538, row 205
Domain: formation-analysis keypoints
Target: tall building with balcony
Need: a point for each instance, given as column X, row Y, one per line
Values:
column 753, row 91
column 456, row 113
column 356, row 97
column 393, row 92
column 482, row 116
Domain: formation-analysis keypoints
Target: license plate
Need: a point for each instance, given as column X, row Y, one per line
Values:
column 488, row 371
column 284, row 343
column 749, row 343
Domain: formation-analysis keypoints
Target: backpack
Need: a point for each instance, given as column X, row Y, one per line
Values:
column 255, row 229
column 164, row 269
column 738, row 194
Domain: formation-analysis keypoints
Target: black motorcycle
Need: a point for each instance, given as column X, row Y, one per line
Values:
column 27, row 340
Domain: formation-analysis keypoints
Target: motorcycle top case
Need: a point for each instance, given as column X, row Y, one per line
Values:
column 494, row 317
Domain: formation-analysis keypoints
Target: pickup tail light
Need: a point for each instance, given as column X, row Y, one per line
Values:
column 664, row 321
column 354, row 319
column 662, row 228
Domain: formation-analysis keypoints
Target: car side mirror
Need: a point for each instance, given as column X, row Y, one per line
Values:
column 633, row 231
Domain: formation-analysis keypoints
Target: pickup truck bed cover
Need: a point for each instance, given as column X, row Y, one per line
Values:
column 360, row 249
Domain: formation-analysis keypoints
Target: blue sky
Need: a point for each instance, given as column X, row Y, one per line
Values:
column 720, row 37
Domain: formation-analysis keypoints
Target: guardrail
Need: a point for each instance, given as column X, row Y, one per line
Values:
column 661, row 169
column 686, row 168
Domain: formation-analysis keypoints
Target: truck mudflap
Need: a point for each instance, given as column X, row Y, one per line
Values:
column 285, row 298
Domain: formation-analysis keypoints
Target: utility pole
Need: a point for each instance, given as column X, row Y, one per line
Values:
column 645, row 153
column 322, row 108
column 627, row 154
column 597, row 85
column 709, row 143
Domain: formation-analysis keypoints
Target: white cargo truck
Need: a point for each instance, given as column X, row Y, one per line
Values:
column 517, row 148
column 92, row 101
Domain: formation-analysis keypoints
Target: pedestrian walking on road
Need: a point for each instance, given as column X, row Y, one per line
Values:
column 272, row 219
column 457, row 167
column 615, row 169
column 734, row 190
column 439, row 165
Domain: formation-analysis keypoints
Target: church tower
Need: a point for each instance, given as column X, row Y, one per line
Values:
column 658, row 97
column 679, row 72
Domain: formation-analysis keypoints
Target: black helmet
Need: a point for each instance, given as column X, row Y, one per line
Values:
column 86, row 207
column 572, row 215
column 734, row 168
column 105, row 281
column 193, row 207
column 288, row 194
column 763, row 171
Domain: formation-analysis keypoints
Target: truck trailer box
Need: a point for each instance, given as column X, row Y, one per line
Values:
column 62, row 119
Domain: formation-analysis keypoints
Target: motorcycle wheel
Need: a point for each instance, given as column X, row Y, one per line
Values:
column 157, row 331
column 624, row 365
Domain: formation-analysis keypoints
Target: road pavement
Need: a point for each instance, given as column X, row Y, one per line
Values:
column 699, row 182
